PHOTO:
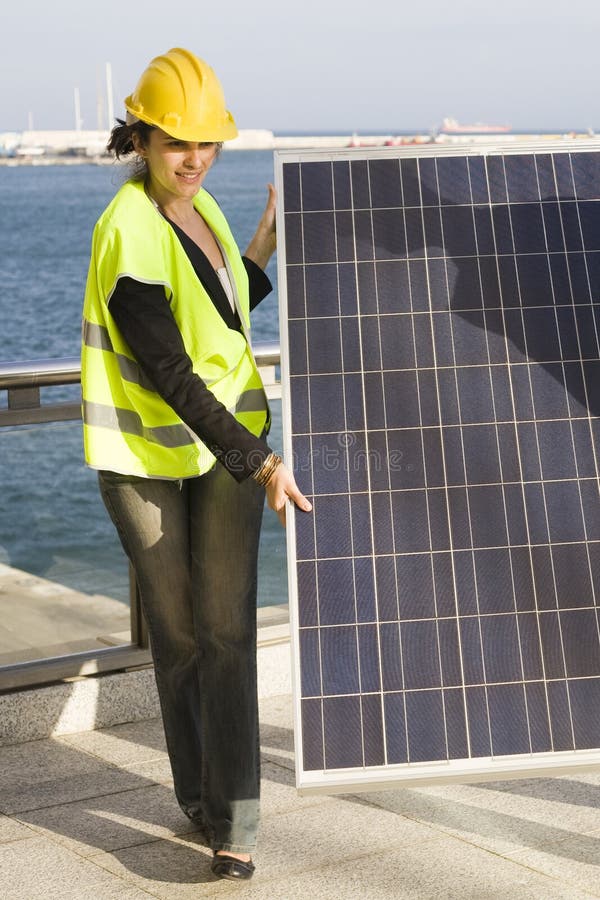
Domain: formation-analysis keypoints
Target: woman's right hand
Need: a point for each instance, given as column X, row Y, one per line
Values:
column 281, row 488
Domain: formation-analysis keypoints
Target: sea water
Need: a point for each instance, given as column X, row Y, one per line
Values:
column 52, row 521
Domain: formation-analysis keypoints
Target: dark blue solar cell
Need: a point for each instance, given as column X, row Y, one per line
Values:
column 579, row 629
column 459, row 518
column 347, row 289
column 354, row 406
column 329, row 465
column 493, row 575
column 357, row 458
column 478, row 720
column 319, row 237
column 367, row 291
column 535, row 505
column 563, row 175
column 456, row 726
column 495, row 335
column 572, row 573
column 555, row 444
column 449, row 646
column 465, row 287
column 584, row 449
column 508, row 450
column 501, row 651
column 490, row 282
column 391, row 657
column 416, row 597
column 569, row 214
column 415, row 235
column 383, row 536
column 436, row 286
column 405, row 459
column 590, row 224
column 420, row 655
column 411, row 532
column 393, row 294
column 324, row 346
column 428, row 401
column 496, row 179
column 419, row 285
column 428, row 182
column 475, row 395
column 454, row 458
column 351, row 360
column 341, row 185
column 309, row 662
column 585, row 696
column 434, row 460
column 534, row 280
column 521, row 178
column 508, row 719
column 594, row 554
column 307, row 594
column 379, row 471
column 548, row 392
column 586, row 174
column 515, row 514
column 312, row 734
column 359, row 176
column 578, row 277
column 343, row 732
column 543, row 577
column 384, row 179
column 293, row 238
column 525, row 590
column 317, row 186
column 395, row 728
column 362, row 531
column 363, row 235
column 589, row 502
column 444, row 583
column 387, row 589
column 438, row 519
column 531, row 648
column 425, row 726
column 488, row 524
column 448, row 396
column 561, row 283
column 332, row 526
column 592, row 263
column 305, row 537
column 564, row 511
column 453, row 180
column 443, row 343
column 364, row 578
column 459, row 231
column 299, row 404
column 503, row 239
column 295, row 292
column 372, row 721
column 470, row 641
column 432, row 225
column 303, row 461
column 401, row 399
column 582, row 388
column 373, row 398
column 484, row 230
column 470, row 343
column 587, row 325
column 410, row 182
column 339, row 660
column 539, row 717
column 560, row 716
column 555, row 239
column 368, row 655
column 389, row 236
column 541, row 335
column 481, row 454
column 527, row 228
column 552, row 649
column 509, row 283
column 478, row 177
column 514, row 330
column 545, row 175
column 297, row 347
column 344, row 234
column 326, row 403
column 370, row 343
column 291, row 187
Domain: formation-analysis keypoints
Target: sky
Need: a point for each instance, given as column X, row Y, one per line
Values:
column 333, row 66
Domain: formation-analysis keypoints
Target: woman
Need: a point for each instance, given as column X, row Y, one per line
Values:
column 175, row 418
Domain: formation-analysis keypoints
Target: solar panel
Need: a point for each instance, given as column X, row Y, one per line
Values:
column 440, row 316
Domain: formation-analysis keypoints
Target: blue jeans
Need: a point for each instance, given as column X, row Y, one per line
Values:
column 194, row 547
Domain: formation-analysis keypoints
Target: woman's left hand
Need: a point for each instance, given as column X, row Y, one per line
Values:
column 263, row 244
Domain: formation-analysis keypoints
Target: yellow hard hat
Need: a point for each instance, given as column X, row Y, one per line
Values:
column 182, row 95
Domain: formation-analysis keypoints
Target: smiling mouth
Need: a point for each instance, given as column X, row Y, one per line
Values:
column 189, row 176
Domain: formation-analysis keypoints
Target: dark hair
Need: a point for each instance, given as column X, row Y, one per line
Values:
column 121, row 137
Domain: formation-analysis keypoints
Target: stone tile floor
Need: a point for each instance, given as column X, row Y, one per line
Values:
column 92, row 815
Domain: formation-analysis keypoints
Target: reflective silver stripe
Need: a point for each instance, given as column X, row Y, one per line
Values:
column 253, row 400
column 97, row 336
column 128, row 422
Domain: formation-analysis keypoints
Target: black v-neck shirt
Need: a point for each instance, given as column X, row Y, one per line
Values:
column 144, row 318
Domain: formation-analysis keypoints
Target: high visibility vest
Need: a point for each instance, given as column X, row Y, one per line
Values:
column 127, row 426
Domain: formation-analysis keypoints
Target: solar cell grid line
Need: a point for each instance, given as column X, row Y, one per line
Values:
column 440, row 361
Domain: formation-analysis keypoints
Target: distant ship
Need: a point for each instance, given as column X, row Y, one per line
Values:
column 451, row 126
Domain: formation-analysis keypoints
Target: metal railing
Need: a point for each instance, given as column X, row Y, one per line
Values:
column 22, row 381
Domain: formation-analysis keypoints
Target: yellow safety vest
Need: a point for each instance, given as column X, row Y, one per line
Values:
column 128, row 427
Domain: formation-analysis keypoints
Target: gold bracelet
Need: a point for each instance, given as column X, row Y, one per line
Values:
column 265, row 472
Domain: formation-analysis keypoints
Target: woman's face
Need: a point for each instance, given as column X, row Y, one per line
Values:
column 176, row 168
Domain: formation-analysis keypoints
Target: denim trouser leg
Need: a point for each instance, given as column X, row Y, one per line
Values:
column 194, row 548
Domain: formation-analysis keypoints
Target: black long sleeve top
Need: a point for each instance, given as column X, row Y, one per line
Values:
column 143, row 315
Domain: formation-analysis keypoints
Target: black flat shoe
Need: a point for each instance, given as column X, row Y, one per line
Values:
column 224, row 866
